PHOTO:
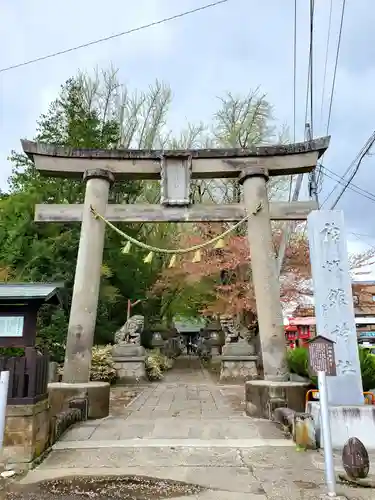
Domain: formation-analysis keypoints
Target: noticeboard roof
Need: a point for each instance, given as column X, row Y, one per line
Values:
column 320, row 338
column 44, row 292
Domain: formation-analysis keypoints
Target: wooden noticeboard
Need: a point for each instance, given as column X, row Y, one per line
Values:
column 322, row 356
column 11, row 326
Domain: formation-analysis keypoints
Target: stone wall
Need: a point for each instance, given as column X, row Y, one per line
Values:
column 27, row 432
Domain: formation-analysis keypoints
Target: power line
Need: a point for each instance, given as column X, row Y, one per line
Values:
column 351, row 166
column 111, row 37
column 334, row 76
column 288, row 228
column 343, row 177
column 294, row 87
column 326, row 60
column 294, row 70
column 361, row 235
column 356, row 189
column 363, row 154
column 352, row 187
column 312, row 7
column 336, row 64
column 309, row 68
column 309, row 127
column 360, row 238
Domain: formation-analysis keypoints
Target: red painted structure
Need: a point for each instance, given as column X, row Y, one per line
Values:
column 299, row 328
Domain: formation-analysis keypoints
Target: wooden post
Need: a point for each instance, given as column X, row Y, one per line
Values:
column 87, row 279
column 264, row 275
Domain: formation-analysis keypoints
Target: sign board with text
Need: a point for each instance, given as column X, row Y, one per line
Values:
column 19, row 306
column 11, row 326
column 322, row 356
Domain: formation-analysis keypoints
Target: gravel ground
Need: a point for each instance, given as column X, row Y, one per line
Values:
column 103, row 488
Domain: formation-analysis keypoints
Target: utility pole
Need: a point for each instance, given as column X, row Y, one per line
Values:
column 289, row 226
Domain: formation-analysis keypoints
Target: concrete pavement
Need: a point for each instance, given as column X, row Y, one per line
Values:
column 190, row 429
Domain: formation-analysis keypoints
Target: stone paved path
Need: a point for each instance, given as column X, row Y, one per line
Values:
column 190, row 429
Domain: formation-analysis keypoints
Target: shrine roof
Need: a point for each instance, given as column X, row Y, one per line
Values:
column 44, row 292
column 185, row 327
column 43, row 149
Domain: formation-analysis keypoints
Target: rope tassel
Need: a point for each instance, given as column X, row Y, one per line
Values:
column 219, row 244
column 197, row 257
column 218, row 241
column 172, row 262
column 127, row 248
column 148, row 258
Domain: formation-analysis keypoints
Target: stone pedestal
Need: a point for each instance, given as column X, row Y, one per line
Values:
column 129, row 361
column 96, row 393
column 238, row 362
column 262, row 397
column 346, row 421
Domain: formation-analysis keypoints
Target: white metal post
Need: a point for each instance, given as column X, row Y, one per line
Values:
column 4, row 383
column 326, row 431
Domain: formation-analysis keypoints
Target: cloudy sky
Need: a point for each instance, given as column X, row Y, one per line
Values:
column 235, row 47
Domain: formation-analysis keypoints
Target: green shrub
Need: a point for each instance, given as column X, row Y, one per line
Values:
column 156, row 364
column 298, row 363
column 51, row 332
column 367, row 361
column 12, row 352
column 102, row 367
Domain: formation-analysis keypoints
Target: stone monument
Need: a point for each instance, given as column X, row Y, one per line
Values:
column 128, row 354
column 238, row 361
column 335, row 321
column 334, row 303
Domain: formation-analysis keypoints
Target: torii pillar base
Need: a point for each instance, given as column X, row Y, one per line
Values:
column 263, row 397
column 95, row 393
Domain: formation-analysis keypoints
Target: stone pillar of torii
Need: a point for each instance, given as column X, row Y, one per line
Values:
column 100, row 168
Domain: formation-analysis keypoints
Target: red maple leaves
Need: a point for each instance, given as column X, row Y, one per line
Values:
column 228, row 271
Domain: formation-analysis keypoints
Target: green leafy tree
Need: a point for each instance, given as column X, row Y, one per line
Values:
column 99, row 112
column 88, row 113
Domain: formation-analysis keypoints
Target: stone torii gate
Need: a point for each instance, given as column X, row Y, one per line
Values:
column 100, row 168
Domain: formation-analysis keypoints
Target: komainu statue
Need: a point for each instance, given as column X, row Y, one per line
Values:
column 131, row 332
column 231, row 330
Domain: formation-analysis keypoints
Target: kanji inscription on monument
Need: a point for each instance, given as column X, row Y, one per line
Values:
column 334, row 303
column 322, row 356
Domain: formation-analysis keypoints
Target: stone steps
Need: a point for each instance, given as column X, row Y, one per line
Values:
column 172, row 444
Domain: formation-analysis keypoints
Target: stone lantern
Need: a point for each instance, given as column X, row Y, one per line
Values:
column 212, row 334
column 157, row 340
